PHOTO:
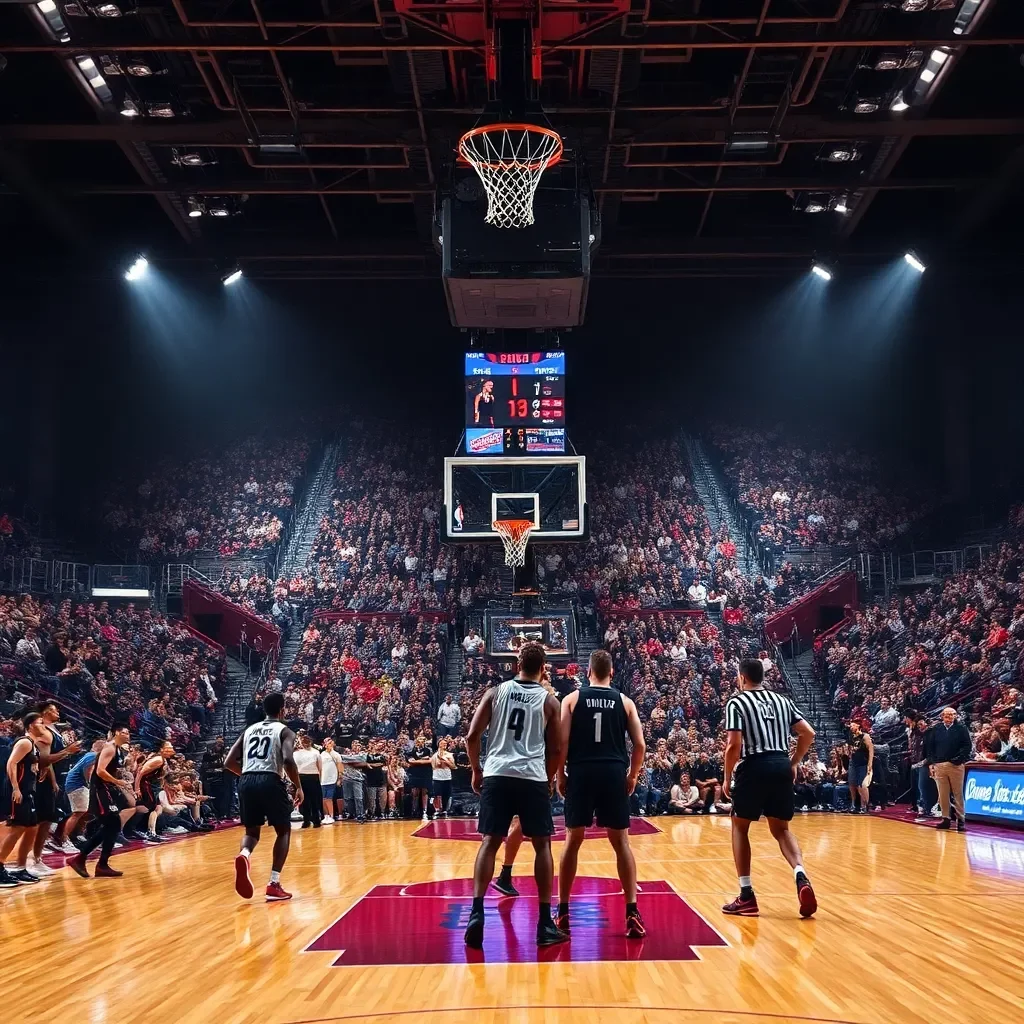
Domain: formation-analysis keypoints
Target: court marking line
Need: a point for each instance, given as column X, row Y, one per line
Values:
column 754, row 1014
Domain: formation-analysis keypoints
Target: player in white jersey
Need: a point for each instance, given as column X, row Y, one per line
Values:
column 263, row 756
column 524, row 748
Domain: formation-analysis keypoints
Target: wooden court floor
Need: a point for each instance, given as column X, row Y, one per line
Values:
column 914, row 925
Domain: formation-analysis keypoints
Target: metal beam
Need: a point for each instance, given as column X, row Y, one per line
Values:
column 337, row 131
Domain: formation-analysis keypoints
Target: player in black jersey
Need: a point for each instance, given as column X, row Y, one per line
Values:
column 149, row 783
column 22, row 773
column 600, row 779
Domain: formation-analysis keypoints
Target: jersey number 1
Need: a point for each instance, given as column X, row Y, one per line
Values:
column 597, row 726
column 516, row 721
column 259, row 747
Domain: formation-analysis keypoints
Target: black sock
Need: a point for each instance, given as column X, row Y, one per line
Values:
column 563, row 909
column 746, row 892
column 478, row 904
column 506, row 873
column 544, row 913
column 632, row 908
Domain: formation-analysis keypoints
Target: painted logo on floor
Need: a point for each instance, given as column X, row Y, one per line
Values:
column 423, row 923
column 465, row 828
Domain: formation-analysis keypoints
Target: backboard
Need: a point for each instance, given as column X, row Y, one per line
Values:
column 550, row 490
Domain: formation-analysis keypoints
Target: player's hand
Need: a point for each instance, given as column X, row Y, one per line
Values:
column 16, row 795
column 74, row 748
column 630, row 784
column 726, row 790
column 795, row 770
column 477, row 781
column 297, row 799
column 931, row 771
column 560, row 784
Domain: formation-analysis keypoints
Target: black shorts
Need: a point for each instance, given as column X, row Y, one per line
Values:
column 596, row 788
column 106, row 798
column 763, row 784
column 24, row 814
column 150, row 798
column 263, row 798
column 47, row 798
column 503, row 797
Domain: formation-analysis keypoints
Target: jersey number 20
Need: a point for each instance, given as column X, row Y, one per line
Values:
column 259, row 747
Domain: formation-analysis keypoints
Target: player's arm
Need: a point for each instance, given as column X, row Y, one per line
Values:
column 145, row 768
column 288, row 758
column 553, row 748
column 18, row 754
column 636, row 737
column 476, row 407
column 477, row 728
column 45, row 760
column 564, row 728
column 233, row 762
column 868, row 744
column 102, row 763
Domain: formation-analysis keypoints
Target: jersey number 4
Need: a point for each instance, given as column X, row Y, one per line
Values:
column 516, row 722
column 259, row 747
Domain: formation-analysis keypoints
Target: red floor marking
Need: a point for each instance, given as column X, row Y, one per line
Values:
column 465, row 828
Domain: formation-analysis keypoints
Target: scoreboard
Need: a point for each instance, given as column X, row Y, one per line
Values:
column 515, row 403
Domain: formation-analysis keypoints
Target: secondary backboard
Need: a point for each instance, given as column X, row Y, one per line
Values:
column 549, row 490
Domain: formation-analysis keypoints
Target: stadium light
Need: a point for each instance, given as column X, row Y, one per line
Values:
column 820, row 270
column 235, row 275
column 899, row 104
column 137, row 270
column 914, row 262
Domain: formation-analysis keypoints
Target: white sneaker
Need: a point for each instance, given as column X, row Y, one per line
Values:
column 39, row 869
column 805, row 808
column 425, row 818
column 328, row 821
column 936, row 811
column 714, row 809
column 69, row 848
column 177, row 830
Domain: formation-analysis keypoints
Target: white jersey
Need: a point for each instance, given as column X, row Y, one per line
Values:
column 261, row 748
column 515, row 738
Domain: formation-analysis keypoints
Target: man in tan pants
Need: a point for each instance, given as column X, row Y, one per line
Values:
column 947, row 748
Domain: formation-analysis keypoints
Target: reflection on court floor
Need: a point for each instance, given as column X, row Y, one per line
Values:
column 465, row 828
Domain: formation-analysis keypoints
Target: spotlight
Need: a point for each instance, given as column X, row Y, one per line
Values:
column 912, row 6
column 46, row 6
column 138, row 69
column 842, row 205
column 107, row 11
column 896, row 61
column 137, row 270
column 160, row 110
column 235, row 275
column 812, row 202
column 820, row 270
column 129, row 108
column 195, row 208
column 914, row 262
column 899, row 104
column 840, row 154
column 188, row 159
column 218, row 211
column 866, row 106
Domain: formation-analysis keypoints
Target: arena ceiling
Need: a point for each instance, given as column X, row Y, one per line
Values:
column 307, row 138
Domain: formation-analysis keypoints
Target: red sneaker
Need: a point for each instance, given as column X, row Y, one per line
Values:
column 562, row 923
column 275, row 893
column 105, row 871
column 741, row 907
column 808, row 902
column 635, row 926
column 77, row 864
column 243, row 883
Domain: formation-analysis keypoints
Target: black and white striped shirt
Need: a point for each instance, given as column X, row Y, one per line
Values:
column 765, row 719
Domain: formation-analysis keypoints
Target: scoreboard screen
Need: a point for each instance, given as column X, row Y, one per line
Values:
column 515, row 389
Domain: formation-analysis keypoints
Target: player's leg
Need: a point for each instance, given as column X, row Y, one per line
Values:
column 625, row 865
column 278, row 809
column 512, row 843
column 533, row 805
column 745, row 905
column 19, row 839
column 567, row 873
column 497, row 809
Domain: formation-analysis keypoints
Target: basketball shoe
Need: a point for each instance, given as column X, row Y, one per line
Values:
column 243, row 882
column 275, row 894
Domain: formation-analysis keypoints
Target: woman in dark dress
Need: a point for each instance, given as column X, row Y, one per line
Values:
column 862, row 756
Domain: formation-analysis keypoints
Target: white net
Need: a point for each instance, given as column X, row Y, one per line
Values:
column 514, row 533
column 509, row 160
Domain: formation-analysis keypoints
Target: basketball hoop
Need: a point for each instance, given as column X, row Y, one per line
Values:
column 514, row 534
column 509, row 160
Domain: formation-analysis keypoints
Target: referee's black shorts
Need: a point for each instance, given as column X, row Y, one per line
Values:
column 503, row 797
column 763, row 784
column 596, row 788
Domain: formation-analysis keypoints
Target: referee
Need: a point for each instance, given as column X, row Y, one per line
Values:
column 758, row 724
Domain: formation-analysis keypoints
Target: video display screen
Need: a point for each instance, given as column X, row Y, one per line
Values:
column 515, row 441
column 515, row 389
column 508, row 633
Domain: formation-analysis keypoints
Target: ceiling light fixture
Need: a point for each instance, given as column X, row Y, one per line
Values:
column 138, row 69
column 819, row 270
column 107, row 11
column 46, row 6
column 218, row 211
column 913, row 6
column 195, row 208
column 129, row 108
column 914, row 262
column 235, row 275
column 899, row 104
column 842, row 205
column 160, row 110
column 841, row 154
column 866, row 106
column 137, row 270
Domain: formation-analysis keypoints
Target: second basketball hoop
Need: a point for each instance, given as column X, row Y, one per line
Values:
column 509, row 160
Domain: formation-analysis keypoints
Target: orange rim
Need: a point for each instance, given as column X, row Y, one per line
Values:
column 532, row 165
column 513, row 528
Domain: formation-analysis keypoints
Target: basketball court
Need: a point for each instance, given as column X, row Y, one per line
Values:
column 374, row 933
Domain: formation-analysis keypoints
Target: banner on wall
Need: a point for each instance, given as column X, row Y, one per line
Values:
column 995, row 793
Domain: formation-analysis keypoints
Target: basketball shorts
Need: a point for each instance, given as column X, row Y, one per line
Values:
column 105, row 798
column 596, row 789
column 150, row 798
column 263, row 799
column 24, row 814
column 763, row 785
column 79, row 799
column 502, row 798
column 46, row 802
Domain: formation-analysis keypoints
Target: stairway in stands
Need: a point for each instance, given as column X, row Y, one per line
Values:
column 229, row 718
column 714, row 495
column 812, row 699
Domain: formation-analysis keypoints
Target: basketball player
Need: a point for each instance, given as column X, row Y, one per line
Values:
column 263, row 755
column 51, row 751
column 595, row 721
column 758, row 724
column 522, row 758
column 22, row 774
column 149, row 784
column 483, row 404
column 111, row 800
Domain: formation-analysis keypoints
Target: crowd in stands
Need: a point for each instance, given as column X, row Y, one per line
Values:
column 105, row 662
column 232, row 501
column 801, row 496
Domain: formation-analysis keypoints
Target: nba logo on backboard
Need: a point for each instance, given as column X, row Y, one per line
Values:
column 377, row 929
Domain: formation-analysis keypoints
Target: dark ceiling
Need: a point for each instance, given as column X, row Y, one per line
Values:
column 322, row 129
